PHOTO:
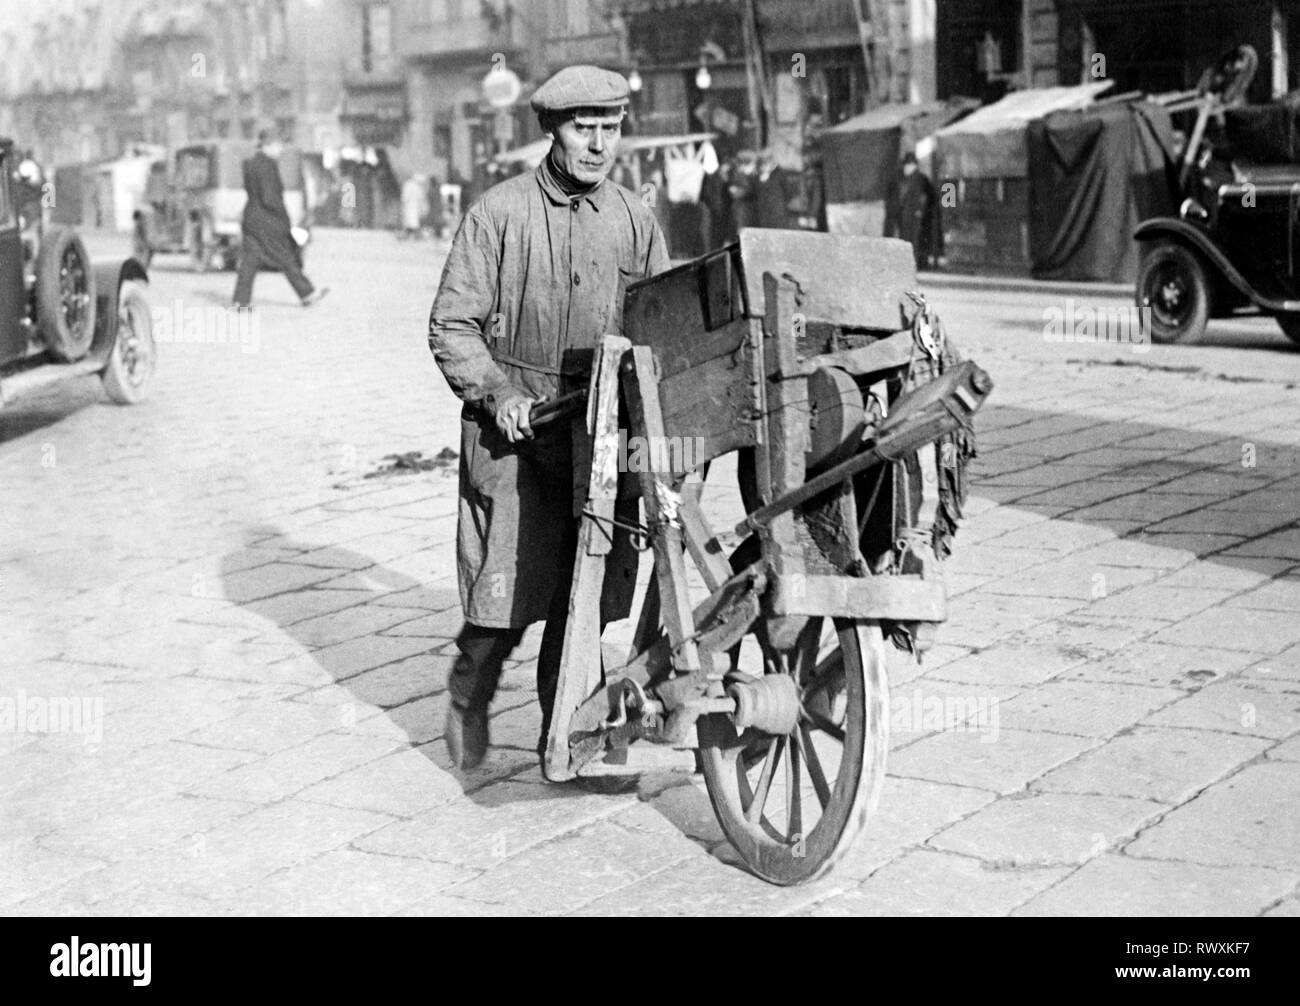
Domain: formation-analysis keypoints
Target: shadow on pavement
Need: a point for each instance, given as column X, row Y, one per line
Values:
column 1073, row 491
column 388, row 641
column 50, row 406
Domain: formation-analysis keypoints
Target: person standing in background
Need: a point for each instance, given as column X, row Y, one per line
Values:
column 909, row 211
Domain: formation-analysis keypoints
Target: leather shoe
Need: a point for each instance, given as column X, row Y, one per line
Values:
column 466, row 735
column 315, row 296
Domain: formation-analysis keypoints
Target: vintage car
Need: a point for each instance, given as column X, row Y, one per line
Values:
column 62, row 315
column 1234, row 248
column 1239, row 255
column 195, row 200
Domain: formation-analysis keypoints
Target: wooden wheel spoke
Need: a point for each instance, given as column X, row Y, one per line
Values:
column 824, row 725
column 794, row 829
column 804, row 655
column 815, row 771
column 829, row 673
column 755, row 809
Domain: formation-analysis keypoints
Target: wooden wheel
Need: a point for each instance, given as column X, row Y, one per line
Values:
column 793, row 804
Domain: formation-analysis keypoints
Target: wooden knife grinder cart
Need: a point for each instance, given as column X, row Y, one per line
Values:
column 811, row 358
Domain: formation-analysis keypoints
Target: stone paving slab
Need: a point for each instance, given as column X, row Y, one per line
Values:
column 496, row 824
column 280, row 775
column 1254, row 707
column 926, row 882
column 1165, row 765
column 1083, row 709
column 1001, row 760
column 1250, row 819
column 1048, row 828
column 349, row 883
column 579, row 868
column 1117, row 884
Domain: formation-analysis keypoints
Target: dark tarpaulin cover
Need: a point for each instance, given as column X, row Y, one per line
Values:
column 1263, row 134
column 1093, row 177
column 860, row 155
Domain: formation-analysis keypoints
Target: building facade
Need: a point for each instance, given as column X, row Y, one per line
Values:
column 84, row 80
column 414, row 73
column 1156, row 46
column 768, row 73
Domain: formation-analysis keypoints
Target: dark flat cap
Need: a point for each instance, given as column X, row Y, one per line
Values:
column 581, row 87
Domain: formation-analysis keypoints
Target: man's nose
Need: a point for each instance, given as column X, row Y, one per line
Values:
column 597, row 144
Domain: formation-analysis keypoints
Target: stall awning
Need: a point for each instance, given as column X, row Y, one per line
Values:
column 991, row 142
column 532, row 153
column 860, row 155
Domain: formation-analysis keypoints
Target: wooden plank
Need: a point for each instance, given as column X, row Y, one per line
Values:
column 710, row 408
column 787, row 442
column 897, row 598
column 722, row 296
column 661, row 502
column 603, row 437
column 883, row 354
column 703, row 546
column 846, row 279
column 671, row 312
column 580, row 657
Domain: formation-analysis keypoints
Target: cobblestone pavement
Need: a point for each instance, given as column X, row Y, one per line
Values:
column 258, row 637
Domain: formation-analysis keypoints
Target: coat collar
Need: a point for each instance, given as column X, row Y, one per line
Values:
column 551, row 187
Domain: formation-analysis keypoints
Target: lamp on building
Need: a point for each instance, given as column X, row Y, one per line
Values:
column 703, row 78
column 634, row 81
column 988, row 57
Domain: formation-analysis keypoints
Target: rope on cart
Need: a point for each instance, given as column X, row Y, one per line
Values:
column 637, row 531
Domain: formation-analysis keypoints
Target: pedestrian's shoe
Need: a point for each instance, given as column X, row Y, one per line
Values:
column 315, row 296
column 466, row 735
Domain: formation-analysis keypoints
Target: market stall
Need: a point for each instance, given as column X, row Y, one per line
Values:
column 860, row 158
column 1094, row 176
column 986, row 158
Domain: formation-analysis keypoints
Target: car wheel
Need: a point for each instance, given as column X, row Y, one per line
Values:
column 1173, row 294
column 1290, row 326
column 134, row 356
column 65, row 294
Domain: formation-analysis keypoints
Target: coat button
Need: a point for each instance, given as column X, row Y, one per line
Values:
column 577, row 280
column 574, row 206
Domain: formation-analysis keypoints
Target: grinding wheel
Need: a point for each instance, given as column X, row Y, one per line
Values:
column 837, row 417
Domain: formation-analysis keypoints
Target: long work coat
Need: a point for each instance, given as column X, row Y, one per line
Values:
column 533, row 281
column 266, row 226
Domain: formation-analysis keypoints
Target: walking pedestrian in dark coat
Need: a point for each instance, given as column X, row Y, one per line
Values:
column 909, row 211
column 267, row 239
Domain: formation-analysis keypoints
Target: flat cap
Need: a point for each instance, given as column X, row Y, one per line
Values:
column 581, row 87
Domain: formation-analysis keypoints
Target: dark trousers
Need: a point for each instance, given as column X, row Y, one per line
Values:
column 250, row 260
column 483, row 650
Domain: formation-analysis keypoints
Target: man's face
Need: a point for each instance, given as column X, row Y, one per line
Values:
column 585, row 144
column 273, row 149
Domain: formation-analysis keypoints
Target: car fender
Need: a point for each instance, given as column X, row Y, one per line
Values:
column 1170, row 228
column 110, row 274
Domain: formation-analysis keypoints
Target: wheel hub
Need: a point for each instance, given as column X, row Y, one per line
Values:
column 770, row 704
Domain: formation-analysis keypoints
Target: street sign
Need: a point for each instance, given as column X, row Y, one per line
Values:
column 501, row 87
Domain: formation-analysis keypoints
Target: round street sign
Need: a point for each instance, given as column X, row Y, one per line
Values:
column 501, row 87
